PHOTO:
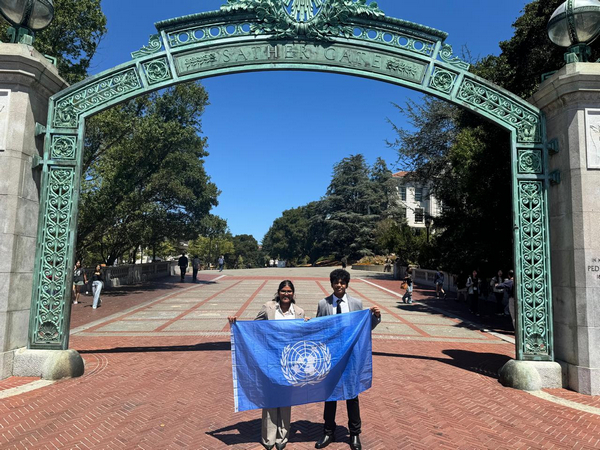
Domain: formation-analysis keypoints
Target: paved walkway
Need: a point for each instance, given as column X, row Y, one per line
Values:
column 158, row 376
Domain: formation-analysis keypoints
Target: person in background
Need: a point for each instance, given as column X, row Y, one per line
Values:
column 79, row 280
column 195, row 267
column 473, row 288
column 276, row 422
column 498, row 292
column 407, row 297
column 97, row 285
column 509, row 286
column 439, row 285
column 183, row 265
column 221, row 262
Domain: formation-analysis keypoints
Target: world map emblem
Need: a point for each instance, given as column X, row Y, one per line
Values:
column 303, row 10
column 305, row 362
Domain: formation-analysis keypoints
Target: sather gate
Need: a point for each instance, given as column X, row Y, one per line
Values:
column 340, row 36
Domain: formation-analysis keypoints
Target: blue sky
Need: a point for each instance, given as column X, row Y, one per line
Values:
column 275, row 136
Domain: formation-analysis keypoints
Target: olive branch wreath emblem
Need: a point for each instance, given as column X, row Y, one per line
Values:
column 289, row 375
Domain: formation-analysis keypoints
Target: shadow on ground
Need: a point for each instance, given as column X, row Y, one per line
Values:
column 202, row 347
column 249, row 431
column 487, row 364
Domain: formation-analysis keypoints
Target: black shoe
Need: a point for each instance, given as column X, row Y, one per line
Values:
column 268, row 447
column 355, row 442
column 325, row 441
column 280, row 446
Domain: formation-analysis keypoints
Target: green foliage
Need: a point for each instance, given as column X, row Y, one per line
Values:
column 246, row 252
column 467, row 160
column 343, row 222
column 144, row 177
column 73, row 37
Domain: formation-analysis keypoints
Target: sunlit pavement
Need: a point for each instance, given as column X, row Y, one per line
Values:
column 158, row 375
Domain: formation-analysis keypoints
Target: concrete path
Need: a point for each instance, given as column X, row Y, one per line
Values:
column 158, row 376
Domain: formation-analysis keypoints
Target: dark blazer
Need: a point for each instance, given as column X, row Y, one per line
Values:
column 325, row 308
column 267, row 312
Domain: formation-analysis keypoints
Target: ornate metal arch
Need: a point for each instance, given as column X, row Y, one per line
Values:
column 340, row 36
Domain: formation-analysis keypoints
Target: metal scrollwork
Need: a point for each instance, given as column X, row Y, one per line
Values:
column 504, row 109
column 157, row 71
column 318, row 19
column 442, row 80
column 154, row 46
column 447, row 55
column 63, row 147
column 95, row 94
column 53, row 271
column 530, row 161
column 533, row 269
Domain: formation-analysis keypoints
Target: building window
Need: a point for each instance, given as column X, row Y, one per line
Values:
column 403, row 193
column 419, row 215
column 403, row 213
column 418, row 194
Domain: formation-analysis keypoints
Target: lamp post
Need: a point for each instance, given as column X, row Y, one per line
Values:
column 26, row 17
column 575, row 24
column 427, row 225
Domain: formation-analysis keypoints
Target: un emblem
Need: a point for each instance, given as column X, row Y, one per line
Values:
column 305, row 362
column 303, row 10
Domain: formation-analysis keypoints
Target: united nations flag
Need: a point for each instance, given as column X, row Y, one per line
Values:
column 293, row 362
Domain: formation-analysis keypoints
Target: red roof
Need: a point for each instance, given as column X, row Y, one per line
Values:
column 400, row 174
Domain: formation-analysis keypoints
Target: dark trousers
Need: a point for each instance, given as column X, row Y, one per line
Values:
column 194, row 273
column 474, row 302
column 354, row 423
column 182, row 270
column 499, row 302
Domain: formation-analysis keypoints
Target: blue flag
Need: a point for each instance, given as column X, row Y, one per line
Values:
column 293, row 362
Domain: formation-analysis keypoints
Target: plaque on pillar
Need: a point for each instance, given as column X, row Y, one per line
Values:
column 4, row 97
column 592, row 131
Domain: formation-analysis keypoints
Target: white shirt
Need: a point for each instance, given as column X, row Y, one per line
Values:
column 280, row 315
column 344, row 304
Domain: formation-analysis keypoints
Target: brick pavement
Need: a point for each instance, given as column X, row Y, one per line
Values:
column 158, row 376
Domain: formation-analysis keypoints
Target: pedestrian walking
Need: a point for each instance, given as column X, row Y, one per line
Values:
column 339, row 303
column 473, row 288
column 97, row 285
column 276, row 422
column 221, row 262
column 439, row 285
column 79, row 280
column 195, row 267
column 183, row 265
column 498, row 291
column 461, row 286
column 408, row 285
column 344, row 262
column 509, row 286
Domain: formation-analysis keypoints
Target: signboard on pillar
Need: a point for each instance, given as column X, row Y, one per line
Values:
column 592, row 131
column 4, row 97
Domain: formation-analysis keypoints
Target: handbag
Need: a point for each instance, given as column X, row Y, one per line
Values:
column 404, row 285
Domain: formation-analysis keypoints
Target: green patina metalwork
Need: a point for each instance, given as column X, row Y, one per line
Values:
column 338, row 36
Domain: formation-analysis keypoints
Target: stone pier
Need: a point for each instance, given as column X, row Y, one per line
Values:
column 571, row 101
column 27, row 80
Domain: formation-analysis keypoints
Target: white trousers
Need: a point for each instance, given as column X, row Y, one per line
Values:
column 276, row 425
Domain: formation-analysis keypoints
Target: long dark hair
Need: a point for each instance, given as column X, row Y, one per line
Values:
column 285, row 283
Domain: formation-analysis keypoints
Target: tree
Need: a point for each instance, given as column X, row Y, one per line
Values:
column 289, row 238
column 467, row 160
column 145, row 180
column 73, row 37
column 246, row 252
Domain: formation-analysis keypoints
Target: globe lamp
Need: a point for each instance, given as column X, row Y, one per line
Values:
column 26, row 17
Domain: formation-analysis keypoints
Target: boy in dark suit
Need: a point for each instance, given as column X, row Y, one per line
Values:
column 338, row 303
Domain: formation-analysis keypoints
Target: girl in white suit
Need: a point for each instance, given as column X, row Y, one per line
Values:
column 276, row 421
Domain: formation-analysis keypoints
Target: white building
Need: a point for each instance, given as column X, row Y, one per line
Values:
column 416, row 201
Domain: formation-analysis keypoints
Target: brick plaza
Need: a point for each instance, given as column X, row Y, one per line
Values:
column 158, row 376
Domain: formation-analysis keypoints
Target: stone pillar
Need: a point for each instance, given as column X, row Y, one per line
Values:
column 27, row 80
column 571, row 101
